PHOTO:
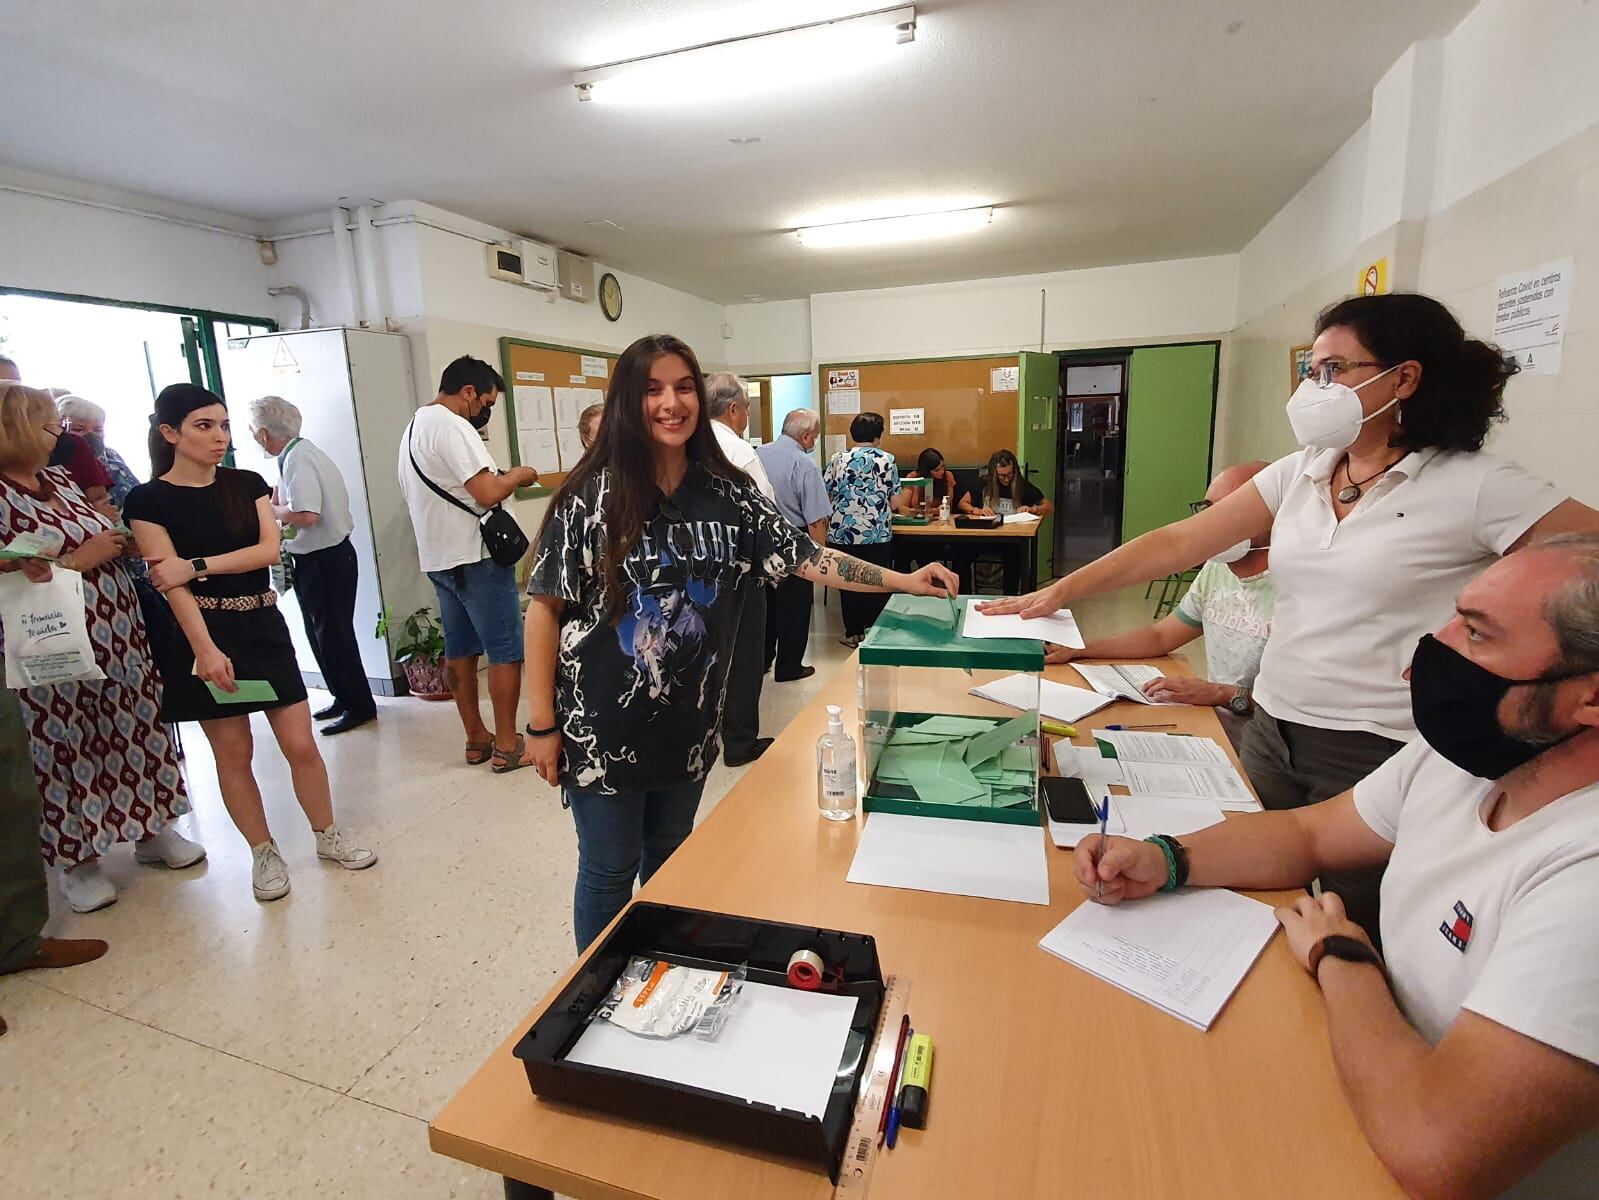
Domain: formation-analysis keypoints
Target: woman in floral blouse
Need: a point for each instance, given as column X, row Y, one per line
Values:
column 862, row 482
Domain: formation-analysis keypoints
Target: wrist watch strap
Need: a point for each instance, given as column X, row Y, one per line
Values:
column 1348, row 949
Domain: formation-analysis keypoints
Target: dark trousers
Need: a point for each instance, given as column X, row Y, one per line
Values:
column 788, row 626
column 24, row 900
column 741, row 707
column 861, row 609
column 1292, row 765
column 324, row 583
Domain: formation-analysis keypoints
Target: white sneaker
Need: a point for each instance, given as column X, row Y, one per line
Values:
column 336, row 846
column 168, row 848
column 269, row 874
column 86, row 888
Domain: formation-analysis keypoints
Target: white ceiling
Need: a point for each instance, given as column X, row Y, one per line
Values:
column 1107, row 131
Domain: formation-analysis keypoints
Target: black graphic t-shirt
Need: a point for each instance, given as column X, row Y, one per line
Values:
column 639, row 700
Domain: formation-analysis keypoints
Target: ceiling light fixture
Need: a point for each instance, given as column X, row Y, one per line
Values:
column 774, row 57
column 886, row 230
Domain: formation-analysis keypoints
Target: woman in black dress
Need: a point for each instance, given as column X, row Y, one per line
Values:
column 209, row 536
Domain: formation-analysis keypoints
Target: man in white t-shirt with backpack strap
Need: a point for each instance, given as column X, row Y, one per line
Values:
column 478, row 602
column 1470, row 1055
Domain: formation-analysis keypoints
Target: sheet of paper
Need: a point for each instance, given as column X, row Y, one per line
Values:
column 570, row 446
column 595, row 367
column 960, row 858
column 780, row 1046
column 987, row 745
column 535, row 406
column 251, row 691
column 1085, row 763
column 1059, row 627
column 907, row 420
column 1058, row 700
column 1123, row 682
column 1221, row 784
column 959, row 726
column 1144, row 815
column 1066, row 836
column 836, row 443
column 570, row 403
column 538, row 450
column 843, row 401
column 1132, row 746
column 1185, row 952
column 1020, row 518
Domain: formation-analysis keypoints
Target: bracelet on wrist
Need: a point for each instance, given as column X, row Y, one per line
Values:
column 1176, row 855
column 540, row 733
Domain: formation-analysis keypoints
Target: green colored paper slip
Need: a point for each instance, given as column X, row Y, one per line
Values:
column 251, row 691
column 990, row 744
column 38, row 543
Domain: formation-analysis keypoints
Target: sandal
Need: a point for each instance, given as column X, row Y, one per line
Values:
column 478, row 753
column 506, row 762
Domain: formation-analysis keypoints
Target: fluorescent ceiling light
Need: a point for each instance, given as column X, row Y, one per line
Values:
column 886, row 230
column 794, row 56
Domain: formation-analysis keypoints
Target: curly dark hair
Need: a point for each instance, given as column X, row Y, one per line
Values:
column 1462, row 387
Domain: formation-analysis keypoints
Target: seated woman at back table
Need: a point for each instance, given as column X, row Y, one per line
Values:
column 1005, row 491
column 930, row 465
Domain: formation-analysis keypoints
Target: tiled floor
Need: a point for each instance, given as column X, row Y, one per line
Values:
column 228, row 1048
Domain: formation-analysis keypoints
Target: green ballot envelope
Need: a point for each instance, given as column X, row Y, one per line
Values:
column 251, row 691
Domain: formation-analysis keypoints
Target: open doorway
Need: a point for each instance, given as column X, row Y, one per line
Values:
column 1092, row 458
column 117, row 355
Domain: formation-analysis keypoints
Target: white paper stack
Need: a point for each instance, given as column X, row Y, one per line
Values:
column 1058, row 627
column 960, row 858
column 1171, row 765
column 1185, row 952
column 1060, row 701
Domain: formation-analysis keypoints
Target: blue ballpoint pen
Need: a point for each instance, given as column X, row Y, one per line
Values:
column 1103, row 808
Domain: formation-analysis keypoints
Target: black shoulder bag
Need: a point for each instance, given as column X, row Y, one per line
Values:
column 502, row 536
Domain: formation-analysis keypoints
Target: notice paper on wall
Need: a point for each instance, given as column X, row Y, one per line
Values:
column 986, row 859
column 1530, row 313
column 1058, row 627
column 535, row 406
column 780, row 1046
column 570, row 403
column 538, row 450
column 836, row 443
column 571, row 447
column 595, row 367
column 907, row 420
column 845, row 377
column 530, row 376
column 844, row 402
column 1185, row 952
column 1004, row 379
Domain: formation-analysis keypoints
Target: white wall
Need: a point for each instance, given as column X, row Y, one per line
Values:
column 772, row 337
column 1139, row 302
column 56, row 245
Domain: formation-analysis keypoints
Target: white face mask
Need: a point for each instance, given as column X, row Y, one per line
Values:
column 1329, row 418
column 1233, row 553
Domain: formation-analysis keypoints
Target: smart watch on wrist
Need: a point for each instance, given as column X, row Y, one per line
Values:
column 1242, row 703
column 199, row 567
column 1349, row 949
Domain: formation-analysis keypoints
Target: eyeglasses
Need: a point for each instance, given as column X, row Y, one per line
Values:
column 1325, row 372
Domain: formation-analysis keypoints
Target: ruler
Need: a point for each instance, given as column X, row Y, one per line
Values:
column 860, row 1151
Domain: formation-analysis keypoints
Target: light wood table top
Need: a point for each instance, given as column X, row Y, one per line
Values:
column 1020, row 530
column 1046, row 1081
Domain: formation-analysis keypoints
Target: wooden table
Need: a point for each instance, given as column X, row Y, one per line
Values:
column 1017, row 543
column 1046, row 1081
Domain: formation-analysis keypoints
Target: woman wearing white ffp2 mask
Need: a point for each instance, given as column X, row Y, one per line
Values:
column 1374, row 527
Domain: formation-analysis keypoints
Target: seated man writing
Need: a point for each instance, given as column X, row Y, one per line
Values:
column 1471, row 1057
column 1230, row 602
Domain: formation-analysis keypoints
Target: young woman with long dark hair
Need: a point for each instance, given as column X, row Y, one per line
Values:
column 209, row 535
column 633, row 617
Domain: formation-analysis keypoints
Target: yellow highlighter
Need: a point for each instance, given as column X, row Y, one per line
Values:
column 916, row 1081
column 1059, row 730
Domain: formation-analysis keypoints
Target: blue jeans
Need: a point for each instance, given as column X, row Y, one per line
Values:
column 480, row 611
column 619, row 837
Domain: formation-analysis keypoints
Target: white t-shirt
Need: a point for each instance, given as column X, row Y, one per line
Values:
column 450, row 452
column 743, row 456
column 1497, row 923
column 1354, row 597
column 311, row 483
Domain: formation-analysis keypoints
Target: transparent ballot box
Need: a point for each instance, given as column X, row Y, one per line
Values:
column 928, row 746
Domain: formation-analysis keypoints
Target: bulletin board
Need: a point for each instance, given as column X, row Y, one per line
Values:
column 548, row 387
column 963, row 415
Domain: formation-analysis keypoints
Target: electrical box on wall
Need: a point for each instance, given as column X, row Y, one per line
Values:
column 503, row 263
column 576, row 275
column 538, row 265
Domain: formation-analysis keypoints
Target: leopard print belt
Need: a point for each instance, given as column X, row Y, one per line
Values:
column 237, row 603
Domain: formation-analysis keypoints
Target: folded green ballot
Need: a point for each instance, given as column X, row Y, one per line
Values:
column 251, row 691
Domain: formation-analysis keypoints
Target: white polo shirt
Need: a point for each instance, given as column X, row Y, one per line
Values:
column 742, row 455
column 1354, row 597
column 1499, row 923
column 310, row 482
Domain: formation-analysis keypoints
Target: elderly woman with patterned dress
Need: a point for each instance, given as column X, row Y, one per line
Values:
column 104, row 763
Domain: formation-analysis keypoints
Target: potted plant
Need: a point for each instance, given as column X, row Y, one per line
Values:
column 419, row 649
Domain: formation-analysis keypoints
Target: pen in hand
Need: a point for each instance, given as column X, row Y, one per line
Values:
column 1103, row 808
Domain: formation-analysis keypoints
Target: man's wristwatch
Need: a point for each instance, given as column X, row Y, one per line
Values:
column 199, row 567
column 1242, row 703
column 1349, row 949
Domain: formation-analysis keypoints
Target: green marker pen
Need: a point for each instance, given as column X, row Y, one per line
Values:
column 916, row 1081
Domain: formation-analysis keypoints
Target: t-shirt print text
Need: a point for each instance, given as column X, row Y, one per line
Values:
column 1458, row 931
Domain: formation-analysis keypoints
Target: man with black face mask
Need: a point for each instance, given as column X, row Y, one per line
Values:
column 449, row 481
column 1471, row 1055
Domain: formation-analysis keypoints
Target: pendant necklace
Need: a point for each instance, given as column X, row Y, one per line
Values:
column 1351, row 490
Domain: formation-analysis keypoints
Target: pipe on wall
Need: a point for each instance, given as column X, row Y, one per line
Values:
column 298, row 294
column 345, row 249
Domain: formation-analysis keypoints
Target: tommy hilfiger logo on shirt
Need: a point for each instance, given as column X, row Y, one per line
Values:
column 1458, row 931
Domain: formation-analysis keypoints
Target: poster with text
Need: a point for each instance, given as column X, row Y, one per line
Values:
column 1530, row 311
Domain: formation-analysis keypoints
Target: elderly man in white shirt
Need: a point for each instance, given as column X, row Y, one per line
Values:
column 1471, row 1056
column 313, row 504
column 727, row 403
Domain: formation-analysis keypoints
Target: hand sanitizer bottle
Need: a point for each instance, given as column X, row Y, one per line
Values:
column 835, row 769
column 943, row 510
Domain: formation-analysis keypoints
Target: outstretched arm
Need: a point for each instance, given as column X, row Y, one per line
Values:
column 834, row 569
